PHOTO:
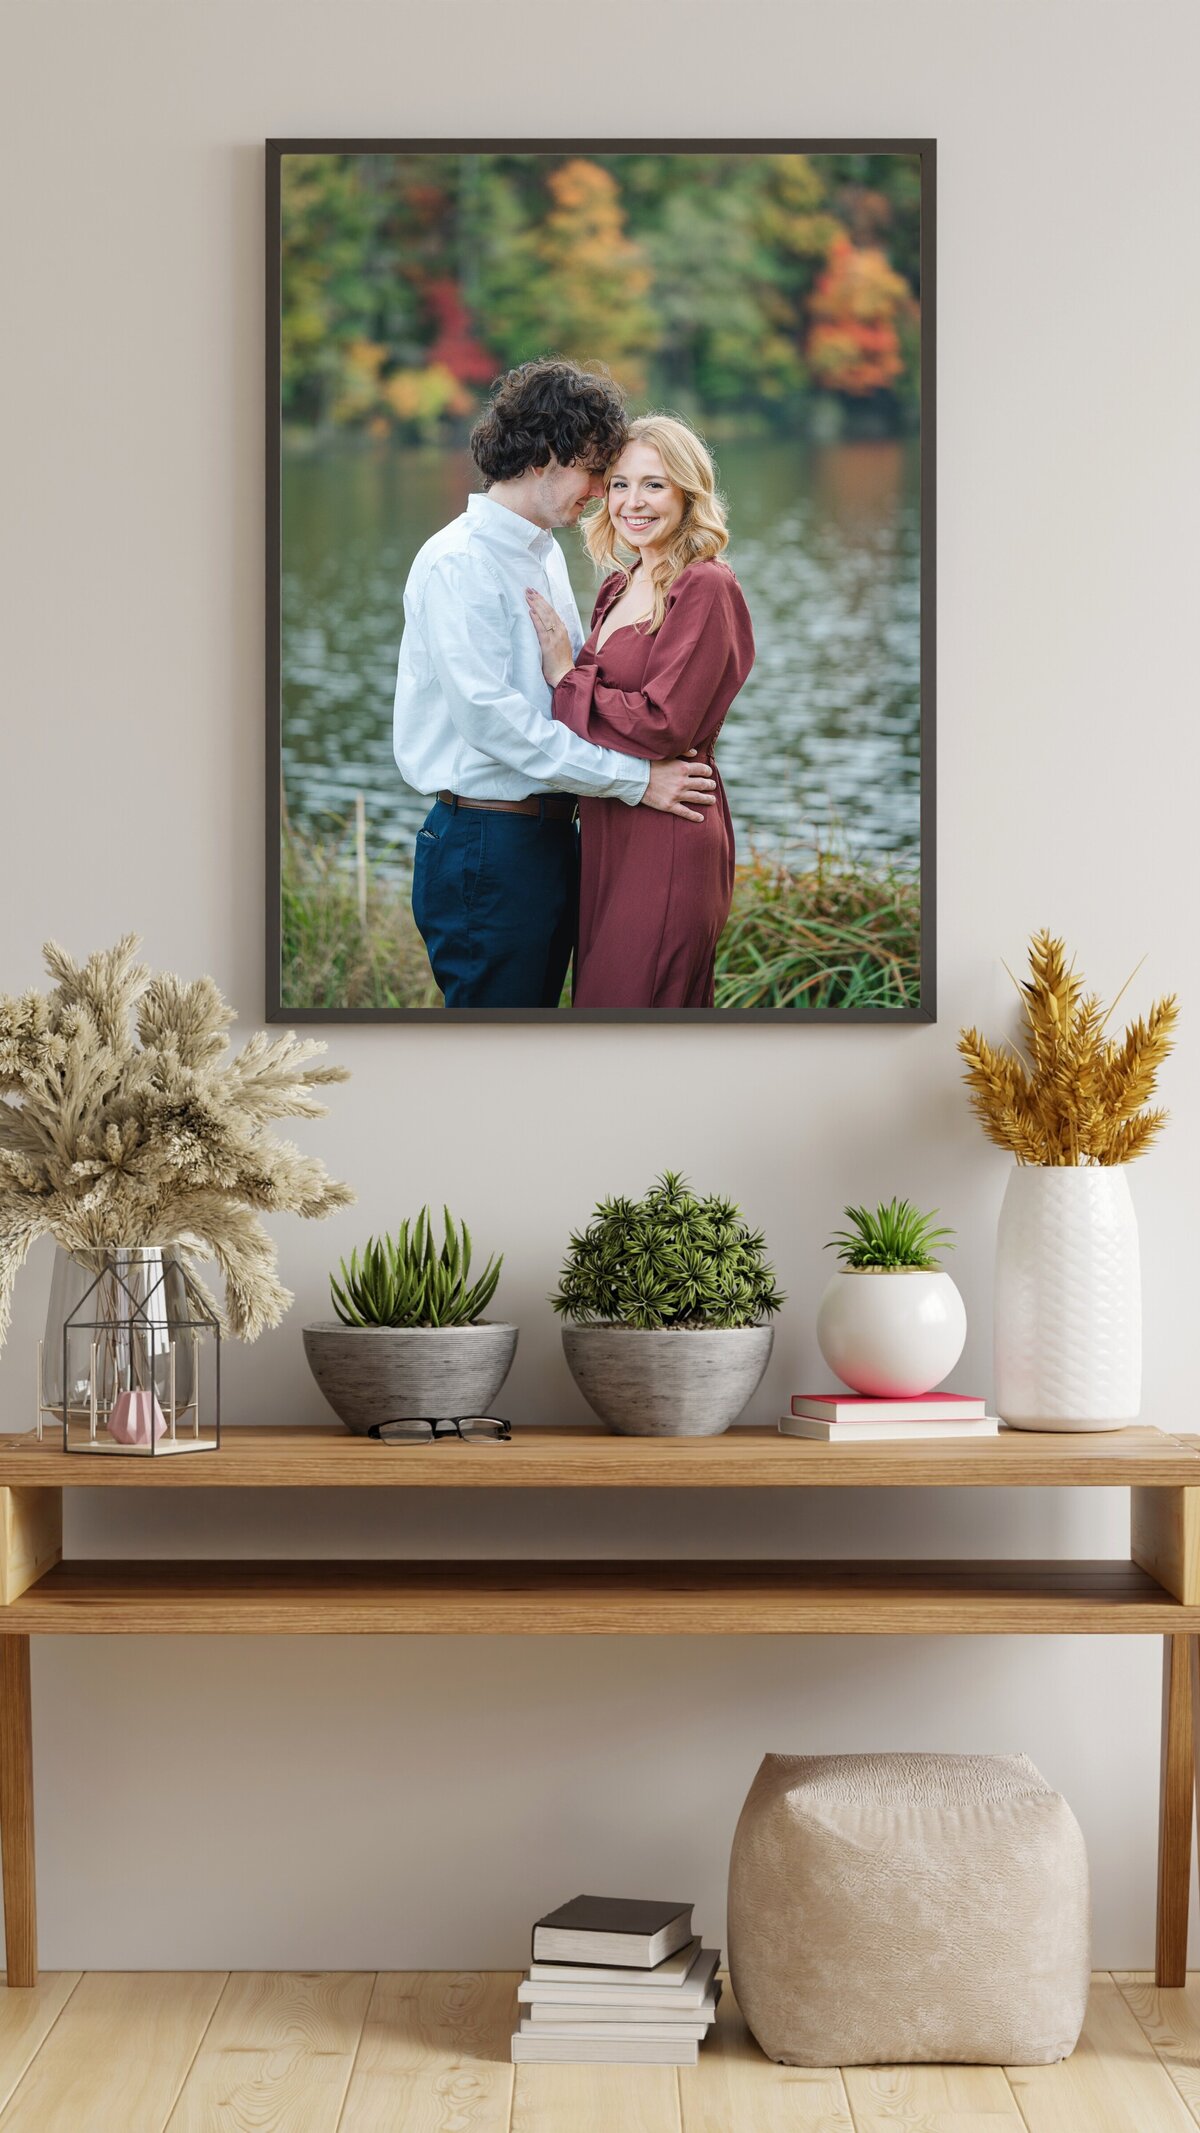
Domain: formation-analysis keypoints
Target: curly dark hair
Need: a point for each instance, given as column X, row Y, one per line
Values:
column 549, row 408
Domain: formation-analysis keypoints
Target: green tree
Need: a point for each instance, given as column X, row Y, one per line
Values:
column 343, row 290
column 570, row 282
column 735, row 253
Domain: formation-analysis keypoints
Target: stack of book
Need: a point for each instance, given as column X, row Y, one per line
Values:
column 853, row 1418
column 619, row 1981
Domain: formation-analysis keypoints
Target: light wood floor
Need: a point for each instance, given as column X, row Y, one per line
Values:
column 427, row 2052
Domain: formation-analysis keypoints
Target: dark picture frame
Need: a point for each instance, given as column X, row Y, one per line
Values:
column 279, row 1009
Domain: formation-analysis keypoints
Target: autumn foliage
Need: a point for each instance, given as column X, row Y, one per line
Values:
column 728, row 285
column 853, row 342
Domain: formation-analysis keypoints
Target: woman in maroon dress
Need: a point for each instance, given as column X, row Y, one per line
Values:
column 670, row 647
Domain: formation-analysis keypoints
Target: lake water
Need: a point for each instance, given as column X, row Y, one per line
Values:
column 821, row 746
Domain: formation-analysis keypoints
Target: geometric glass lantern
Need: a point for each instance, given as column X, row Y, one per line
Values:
column 139, row 1371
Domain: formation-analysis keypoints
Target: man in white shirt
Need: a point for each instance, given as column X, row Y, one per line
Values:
column 496, row 870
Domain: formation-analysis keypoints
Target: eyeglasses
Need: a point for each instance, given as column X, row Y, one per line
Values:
column 436, row 1429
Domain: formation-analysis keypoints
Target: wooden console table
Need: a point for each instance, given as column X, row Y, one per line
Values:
column 1155, row 1592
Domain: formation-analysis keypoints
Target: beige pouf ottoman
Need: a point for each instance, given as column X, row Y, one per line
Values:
column 891, row 1908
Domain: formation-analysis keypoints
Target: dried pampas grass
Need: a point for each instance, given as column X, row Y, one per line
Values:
column 150, row 1134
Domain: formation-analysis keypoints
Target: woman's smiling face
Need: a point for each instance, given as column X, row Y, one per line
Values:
column 644, row 504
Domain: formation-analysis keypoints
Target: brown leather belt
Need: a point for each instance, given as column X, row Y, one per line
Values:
column 551, row 806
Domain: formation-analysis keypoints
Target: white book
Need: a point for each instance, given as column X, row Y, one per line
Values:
column 673, row 1971
column 555, row 2015
column 604, row 2051
column 884, row 1432
column 629, row 2032
column 695, row 1989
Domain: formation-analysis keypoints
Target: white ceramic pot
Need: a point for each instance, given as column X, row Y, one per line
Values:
column 1068, row 1305
column 893, row 1335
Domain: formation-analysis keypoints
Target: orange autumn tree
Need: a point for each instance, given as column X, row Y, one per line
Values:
column 575, row 282
column 855, row 309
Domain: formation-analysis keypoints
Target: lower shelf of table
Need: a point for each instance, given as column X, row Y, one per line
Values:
column 594, row 1599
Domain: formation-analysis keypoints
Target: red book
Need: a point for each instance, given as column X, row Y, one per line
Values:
column 860, row 1407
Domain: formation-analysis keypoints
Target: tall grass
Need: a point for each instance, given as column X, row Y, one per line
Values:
column 829, row 932
column 832, row 933
column 349, row 939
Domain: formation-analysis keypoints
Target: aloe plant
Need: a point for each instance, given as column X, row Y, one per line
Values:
column 670, row 1259
column 407, row 1280
column 893, row 1237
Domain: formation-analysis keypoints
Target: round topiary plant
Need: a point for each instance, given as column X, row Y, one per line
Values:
column 668, row 1261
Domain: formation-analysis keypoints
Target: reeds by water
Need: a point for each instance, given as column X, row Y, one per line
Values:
column 825, row 930
column 348, row 934
column 830, row 932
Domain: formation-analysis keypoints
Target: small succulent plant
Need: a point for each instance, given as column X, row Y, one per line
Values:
column 894, row 1237
column 407, row 1280
column 668, row 1260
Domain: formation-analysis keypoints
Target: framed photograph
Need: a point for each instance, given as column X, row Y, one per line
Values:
column 600, row 581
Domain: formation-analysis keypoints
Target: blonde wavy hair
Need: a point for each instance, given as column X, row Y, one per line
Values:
column 701, row 533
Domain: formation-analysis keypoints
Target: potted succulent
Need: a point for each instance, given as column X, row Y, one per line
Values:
column 1075, row 1111
column 891, row 1323
column 410, row 1337
column 667, row 1299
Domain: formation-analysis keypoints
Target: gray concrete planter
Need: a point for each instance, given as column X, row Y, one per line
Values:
column 668, row 1384
column 378, row 1373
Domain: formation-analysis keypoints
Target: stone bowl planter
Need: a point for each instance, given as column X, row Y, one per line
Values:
column 378, row 1373
column 686, row 1383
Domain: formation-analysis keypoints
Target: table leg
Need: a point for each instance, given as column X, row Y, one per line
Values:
column 16, row 1811
column 1176, row 1810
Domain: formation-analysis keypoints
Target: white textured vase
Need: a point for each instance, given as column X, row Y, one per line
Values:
column 892, row 1334
column 1068, row 1310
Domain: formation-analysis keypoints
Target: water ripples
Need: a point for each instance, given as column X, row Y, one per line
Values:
column 822, row 745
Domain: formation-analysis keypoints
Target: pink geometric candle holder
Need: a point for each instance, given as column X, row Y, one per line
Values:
column 134, row 1416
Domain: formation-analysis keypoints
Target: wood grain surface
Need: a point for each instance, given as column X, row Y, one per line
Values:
column 937, row 2099
column 1165, row 1538
column 118, row 2055
column 476, row 1598
column 327, row 1456
column 27, row 2015
column 1170, row 2018
column 596, row 2099
column 31, row 1531
column 16, row 1811
column 278, row 2052
column 734, row 2086
column 434, row 2056
column 1176, row 1812
column 1112, row 2083
column 260, row 2053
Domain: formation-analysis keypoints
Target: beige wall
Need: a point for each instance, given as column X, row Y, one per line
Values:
column 416, row 1803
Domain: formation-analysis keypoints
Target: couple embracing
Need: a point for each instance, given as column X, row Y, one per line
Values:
column 517, row 724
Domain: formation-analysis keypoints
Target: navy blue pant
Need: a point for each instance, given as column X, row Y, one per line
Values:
column 496, row 901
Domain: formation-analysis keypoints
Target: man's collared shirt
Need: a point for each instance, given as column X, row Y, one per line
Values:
column 472, row 712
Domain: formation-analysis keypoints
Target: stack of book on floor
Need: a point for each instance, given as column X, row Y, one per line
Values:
column 617, row 1980
column 854, row 1418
